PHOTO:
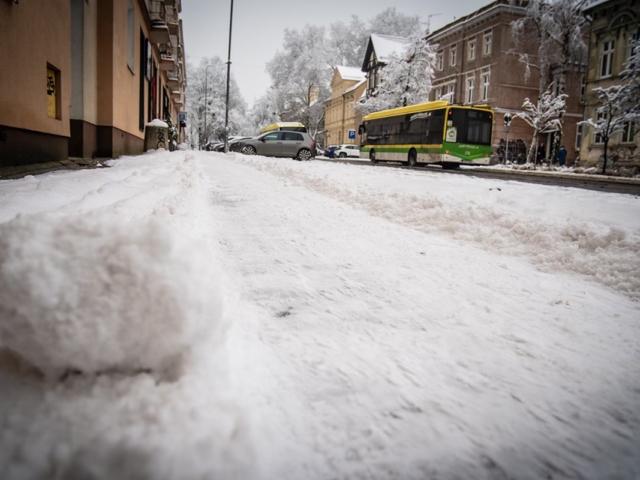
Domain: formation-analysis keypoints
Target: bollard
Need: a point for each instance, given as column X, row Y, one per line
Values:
column 156, row 135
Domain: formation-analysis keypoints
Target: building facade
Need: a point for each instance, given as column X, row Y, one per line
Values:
column 476, row 64
column 111, row 66
column 380, row 48
column 347, row 86
column 615, row 24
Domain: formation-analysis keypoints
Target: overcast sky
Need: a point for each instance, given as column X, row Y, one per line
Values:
column 258, row 27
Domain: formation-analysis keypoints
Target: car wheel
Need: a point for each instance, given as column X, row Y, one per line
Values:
column 342, row 155
column 412, row 159
column 304, row 154
column 249, row 150
column 372, row 156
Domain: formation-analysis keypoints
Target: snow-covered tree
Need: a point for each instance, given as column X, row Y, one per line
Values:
column 557, row 27
column 543, row 116
column 619, row 105
column 611, row 118
column 406, row 79
column 348, row 42
column 208, row 83
column 301, row 72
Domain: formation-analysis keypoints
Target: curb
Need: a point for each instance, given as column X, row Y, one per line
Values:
column 12, row 173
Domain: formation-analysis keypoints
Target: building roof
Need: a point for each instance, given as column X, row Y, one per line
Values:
column 589, row 4
column 350, row 73
column 383, row 46
column 517, row 6
column 351, row 89
column 387, row 45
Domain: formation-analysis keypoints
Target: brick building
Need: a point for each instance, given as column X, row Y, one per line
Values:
column 476, row 63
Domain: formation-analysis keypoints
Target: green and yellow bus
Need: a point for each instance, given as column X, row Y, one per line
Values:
column 432, row 132
column 288, row 126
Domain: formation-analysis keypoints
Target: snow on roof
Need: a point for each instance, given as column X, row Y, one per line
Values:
column 350, row 73
column 387, row 45
column 592, row 3
column 351, row 89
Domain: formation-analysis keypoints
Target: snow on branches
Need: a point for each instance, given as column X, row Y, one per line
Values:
column 406, row 79
column 543, row 116
column 619, row 105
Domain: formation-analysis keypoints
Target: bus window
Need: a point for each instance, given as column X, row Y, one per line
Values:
column 472, row 126
column 436, row 127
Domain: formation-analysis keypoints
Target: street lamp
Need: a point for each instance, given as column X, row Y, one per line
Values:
column 507, row 127
column 226, row 115
column 206, row 89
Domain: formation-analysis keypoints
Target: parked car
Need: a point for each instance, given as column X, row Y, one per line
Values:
column 233, row 143
column 298, row 145
column 344, row 151
column 328, row 152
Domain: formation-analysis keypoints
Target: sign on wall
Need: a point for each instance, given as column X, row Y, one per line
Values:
column 51, row 93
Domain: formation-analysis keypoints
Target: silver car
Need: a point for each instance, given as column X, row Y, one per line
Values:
column 297, row 145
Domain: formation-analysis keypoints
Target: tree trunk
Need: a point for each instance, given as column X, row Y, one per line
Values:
column 604, row 156
column 532, row 149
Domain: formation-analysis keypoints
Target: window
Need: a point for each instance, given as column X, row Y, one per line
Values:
column 583, row 87
column 472, row 50
column 598, row 138
column 438, row 93
column 628, row 133
column 606, row 59
column 485, row 86
column 130, row 31
column 293, row 136
column 556, row 85
column 451, row 88
column 488, row 38
column 578, row 137
column 470, row 85
column 273, row 136
column 452, row 56
column 633, row 44
column 440, row 60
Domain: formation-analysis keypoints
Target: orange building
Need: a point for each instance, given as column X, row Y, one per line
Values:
column 82, row 78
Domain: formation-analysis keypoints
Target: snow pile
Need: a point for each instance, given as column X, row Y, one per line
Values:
column 609, row 255
column 93, row 294
column 106, row 290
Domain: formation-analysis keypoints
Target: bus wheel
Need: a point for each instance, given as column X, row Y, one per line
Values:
column 372, row 156
column 450, row 166
column 413, row 161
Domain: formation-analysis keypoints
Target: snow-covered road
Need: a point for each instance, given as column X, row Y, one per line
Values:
column 377, row 324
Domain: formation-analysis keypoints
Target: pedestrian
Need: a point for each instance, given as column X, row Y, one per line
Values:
column 540, row 154
column 562, row 155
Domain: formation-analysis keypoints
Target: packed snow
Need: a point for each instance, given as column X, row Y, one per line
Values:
column 188, row 315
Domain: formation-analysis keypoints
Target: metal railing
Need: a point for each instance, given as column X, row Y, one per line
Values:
column 157, row 12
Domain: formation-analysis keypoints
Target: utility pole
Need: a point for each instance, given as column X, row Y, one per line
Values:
column 507, row 127
column 429, row 21
column 206, row 88
column 226, row 116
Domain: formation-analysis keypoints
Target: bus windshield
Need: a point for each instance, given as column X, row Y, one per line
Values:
column 471, row 126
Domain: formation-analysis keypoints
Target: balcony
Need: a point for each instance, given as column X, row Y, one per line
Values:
column 174, row 77
column 167, row 59
column 173, row 21
column 158, row 16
